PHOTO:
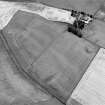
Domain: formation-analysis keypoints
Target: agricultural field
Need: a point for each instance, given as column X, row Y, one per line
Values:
column 53, row 62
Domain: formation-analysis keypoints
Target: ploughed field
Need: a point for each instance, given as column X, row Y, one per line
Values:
column 41, row 63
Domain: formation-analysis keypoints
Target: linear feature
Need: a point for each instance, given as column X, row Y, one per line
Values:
column 29, row 75
column 77, row 19
column 91, row 88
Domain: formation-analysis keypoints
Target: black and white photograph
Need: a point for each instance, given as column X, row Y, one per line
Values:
column 52, row 52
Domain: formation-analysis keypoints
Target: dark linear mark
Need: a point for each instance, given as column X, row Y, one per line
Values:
column 33, row 79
